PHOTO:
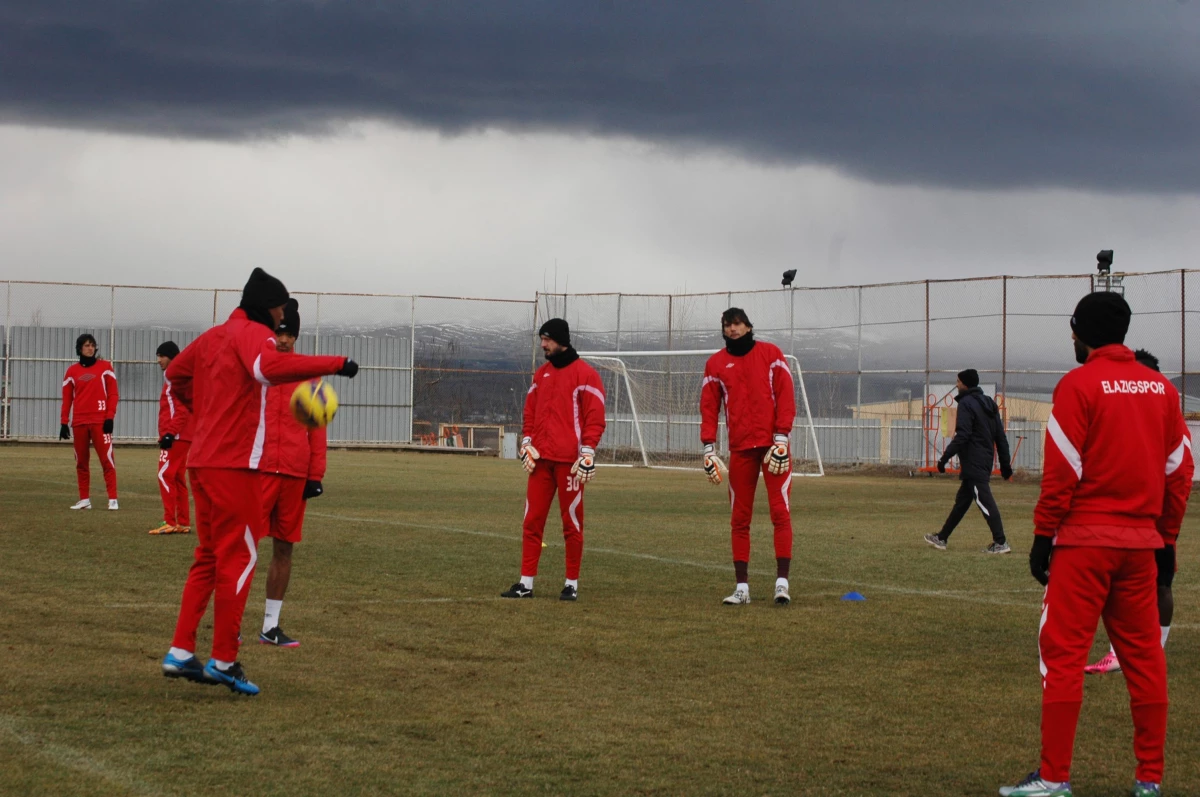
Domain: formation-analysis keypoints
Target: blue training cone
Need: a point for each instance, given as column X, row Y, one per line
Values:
column 854, row 596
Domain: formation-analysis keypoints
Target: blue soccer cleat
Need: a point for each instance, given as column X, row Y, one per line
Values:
column 234, row 678
column 188, row 668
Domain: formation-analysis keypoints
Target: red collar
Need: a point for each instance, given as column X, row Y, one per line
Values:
column 1113, row 351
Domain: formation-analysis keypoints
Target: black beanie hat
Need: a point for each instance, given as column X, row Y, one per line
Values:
column 1101, row 318
column 734, row 314
column 290, row 325
column 557, row 330
column 969, row 377
column 168, row 349
column 262, row 292
column 82, row 339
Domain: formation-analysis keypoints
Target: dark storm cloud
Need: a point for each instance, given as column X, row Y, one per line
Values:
column 986, row 94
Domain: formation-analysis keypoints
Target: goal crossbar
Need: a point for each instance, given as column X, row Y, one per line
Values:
column 619, row 358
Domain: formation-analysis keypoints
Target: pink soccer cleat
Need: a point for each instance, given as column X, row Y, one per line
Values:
column 1107, row 664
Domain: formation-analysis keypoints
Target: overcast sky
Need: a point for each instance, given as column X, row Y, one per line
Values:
column 440, row 148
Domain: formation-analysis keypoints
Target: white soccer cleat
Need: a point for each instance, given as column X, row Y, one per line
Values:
column 738, row 598
column 84, row 504
column 782, row 598
column 112, row 504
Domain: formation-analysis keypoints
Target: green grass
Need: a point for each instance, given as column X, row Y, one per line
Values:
column 413, row 676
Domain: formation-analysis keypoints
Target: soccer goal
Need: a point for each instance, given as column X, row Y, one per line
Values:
column 653, row 411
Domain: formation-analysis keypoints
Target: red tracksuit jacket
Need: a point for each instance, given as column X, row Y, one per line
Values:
column 223, row 376
column 1118, row 456
column 564, row 409
column 291, row 449
column 173, row 417
column 89, row 394
column 757, row 392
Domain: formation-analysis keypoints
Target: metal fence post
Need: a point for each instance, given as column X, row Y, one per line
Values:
column 858, row 391
column 215, row 293
column 618, row 347
column 925, row 398
column 317, row 334
column 1183, row 338
column 1004, row 341
column 112, row 320
column 412, row 368
column 5, row 428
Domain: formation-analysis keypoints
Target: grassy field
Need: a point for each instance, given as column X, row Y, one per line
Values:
column 414, row 677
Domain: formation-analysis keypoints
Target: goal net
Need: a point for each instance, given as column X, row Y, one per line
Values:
column 653, row 411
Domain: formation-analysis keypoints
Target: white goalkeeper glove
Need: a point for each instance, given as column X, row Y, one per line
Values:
column 585, row 467
column 528, row 455
column 779, row 456
column 712, row 464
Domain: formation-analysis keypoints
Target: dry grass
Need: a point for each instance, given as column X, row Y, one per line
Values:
column 415, row 678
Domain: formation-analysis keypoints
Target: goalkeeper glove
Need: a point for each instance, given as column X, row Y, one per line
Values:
column 166, row 442
column 941, row 466
column 108, row 425
column 64, row 432
column 779, row 456
column 312, row 489
column 585, row 467
column 1039, row 558
column 528, row 455
column 348, row 369
column 712, row 464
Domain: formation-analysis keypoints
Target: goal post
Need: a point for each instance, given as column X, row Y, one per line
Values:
column 653, row 411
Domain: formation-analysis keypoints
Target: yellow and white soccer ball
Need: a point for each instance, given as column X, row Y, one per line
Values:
column 314, row 403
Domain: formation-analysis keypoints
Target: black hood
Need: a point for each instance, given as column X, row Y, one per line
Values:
column 985, row 402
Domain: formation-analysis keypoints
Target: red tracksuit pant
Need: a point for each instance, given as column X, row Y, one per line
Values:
column 547, row 478
column 94, row 433
column 172, row 483
column 744, row 467
column 229, row 524
column 1118, row 585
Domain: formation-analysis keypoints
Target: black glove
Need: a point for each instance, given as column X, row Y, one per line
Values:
column 349, row 368
column 1006, row 473
column 108, row 425
column 166, row 442
column 64, row 432
column 313, row 489
column 1039, row 558
column 941, row 466
column 1164, row 557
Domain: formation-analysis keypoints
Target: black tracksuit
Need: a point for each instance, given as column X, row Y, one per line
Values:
column 978, row 436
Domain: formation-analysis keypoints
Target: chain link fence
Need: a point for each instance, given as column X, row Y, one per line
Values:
column 873, row 356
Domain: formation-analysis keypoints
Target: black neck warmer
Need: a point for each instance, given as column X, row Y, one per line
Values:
column 563, row 358
column 259, row 314
column 741, row 346
column 87, row 362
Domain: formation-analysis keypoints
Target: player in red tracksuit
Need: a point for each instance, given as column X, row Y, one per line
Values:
column 752, row 381
column 89, row 405
column 293, row 466
column 224, row 376
column 1115, row 484
column 174, row 441
column 1166, row 575
column 563, row 424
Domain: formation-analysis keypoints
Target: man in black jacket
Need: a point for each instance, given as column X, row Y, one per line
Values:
column 978, row 434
